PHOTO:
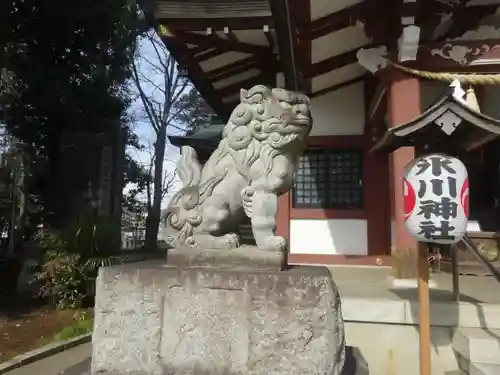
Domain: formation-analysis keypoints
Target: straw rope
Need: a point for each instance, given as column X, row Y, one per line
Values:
column 466, row 79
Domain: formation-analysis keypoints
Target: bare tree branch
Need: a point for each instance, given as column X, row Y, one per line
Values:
column 168, row 183
column 160, row 89
column 152, row 83
column 148, row 108
column 157, row 48
column 155, row 67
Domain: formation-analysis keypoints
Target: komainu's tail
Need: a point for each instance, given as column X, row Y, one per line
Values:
column 188, row 167
column 180, row 218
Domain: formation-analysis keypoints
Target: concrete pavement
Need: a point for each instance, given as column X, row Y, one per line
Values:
column 57, row 363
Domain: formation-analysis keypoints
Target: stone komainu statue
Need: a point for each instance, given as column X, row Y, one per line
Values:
column 253, row 164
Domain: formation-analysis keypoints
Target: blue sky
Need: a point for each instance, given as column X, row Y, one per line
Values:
column 152, row 84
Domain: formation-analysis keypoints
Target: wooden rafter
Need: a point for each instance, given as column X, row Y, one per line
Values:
column 338, row 86
column 427, row 28
column 338, row 20
column 231, row 69
column 444, row 7
column 369, row 88
column 409, row 8
column 283, row 27
column 302, row 43
column 210, row 54
column 376, row 104
column 233, row 23
column 181, row 54
column 467, row 18
column 199, row 49
column 260, row 79
column 230, row 34
column 409, row 11
column 334, row 62
column 430, row 18
column 215, row 41
column 269, row 38
column 382, row 21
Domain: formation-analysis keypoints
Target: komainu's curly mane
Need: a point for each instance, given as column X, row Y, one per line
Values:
column 252, row 165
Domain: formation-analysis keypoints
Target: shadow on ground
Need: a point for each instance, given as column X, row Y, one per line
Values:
column 452, row 311
column 81, row 368
column 355, row 363
column 13, row 305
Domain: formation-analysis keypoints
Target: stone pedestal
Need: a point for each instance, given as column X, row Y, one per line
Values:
column 159, row 319
column 243, row 258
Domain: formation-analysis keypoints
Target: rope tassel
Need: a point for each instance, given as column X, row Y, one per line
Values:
column 471, row 99
column 460, row 79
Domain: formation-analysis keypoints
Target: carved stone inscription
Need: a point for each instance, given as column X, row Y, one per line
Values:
column 205, row 326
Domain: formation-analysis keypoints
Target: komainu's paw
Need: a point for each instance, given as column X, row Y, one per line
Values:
column 274, row 243
column 232, row 240
column 208, row 241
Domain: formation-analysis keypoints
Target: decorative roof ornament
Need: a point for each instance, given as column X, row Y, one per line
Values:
column 408, row 43
column 372, row 59
column 450, row 114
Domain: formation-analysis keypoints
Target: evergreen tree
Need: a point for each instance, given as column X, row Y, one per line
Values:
column 68, row 64
column 194, row 112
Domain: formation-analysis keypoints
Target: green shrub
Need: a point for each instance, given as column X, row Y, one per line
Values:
column 72, row 258
column 63, row 280
column 83, row 325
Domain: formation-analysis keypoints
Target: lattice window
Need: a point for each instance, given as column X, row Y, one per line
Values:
column 329, row 178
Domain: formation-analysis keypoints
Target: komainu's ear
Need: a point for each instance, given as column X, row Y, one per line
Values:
column 243, row 94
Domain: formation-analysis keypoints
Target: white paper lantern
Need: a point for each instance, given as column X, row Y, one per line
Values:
column 436, row 199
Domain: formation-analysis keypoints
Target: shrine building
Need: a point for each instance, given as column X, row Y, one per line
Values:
column 371, row 68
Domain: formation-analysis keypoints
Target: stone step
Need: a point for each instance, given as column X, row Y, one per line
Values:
column 477, row 345
column 484, row 369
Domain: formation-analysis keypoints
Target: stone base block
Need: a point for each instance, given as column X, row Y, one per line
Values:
column 241, row 258
column 154, row 319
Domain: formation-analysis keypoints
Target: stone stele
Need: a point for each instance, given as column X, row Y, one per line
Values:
column 156, row 319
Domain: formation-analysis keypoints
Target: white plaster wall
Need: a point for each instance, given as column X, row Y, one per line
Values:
column 332, row 237
column 340, row 112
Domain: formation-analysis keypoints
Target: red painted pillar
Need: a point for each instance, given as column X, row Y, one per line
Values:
column 403, row 106
column 283, row 216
